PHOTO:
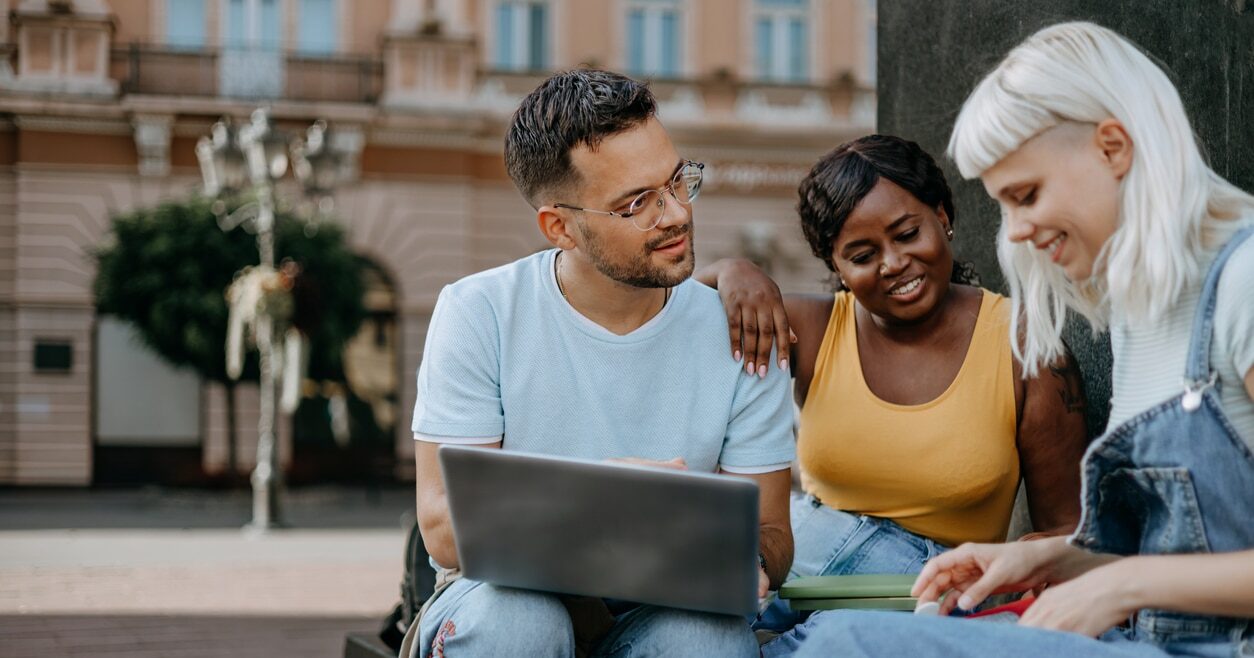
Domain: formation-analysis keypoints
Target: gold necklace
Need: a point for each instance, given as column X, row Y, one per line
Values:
column 558, row 278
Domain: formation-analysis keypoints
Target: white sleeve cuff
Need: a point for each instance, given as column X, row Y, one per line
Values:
column 754, row 470
column 460, row 440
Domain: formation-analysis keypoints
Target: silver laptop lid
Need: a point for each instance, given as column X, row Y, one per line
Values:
column 634, row 533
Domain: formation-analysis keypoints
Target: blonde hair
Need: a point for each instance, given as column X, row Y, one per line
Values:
column 1084, row 73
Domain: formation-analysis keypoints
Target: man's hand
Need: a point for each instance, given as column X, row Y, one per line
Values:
column 677, row 463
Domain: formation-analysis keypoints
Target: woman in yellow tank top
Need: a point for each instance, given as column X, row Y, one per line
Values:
column 915, row 424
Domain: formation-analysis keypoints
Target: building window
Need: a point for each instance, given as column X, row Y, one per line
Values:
column 653, row 37
column 252, row 25
column 315, row 30
column 251, row 64
column 185, row 23
column 781, row 36
column 522, row 35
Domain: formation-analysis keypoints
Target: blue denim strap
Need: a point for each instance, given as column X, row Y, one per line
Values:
column 1197, row 369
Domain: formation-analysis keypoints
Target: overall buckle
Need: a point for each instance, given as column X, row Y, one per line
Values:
column 1193, row 390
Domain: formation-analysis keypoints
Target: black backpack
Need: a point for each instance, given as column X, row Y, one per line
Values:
column 417, row 583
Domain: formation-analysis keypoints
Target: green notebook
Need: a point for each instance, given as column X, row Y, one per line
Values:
column 873, row 586
column 884, row 603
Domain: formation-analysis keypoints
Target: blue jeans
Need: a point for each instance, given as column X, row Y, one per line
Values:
column 854, row 634
column 829, row 542
column 472, row 619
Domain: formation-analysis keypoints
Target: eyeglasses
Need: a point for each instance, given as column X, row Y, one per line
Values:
column 647, row 209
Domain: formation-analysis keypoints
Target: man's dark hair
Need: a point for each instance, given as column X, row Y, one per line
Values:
column 840, row 180
column 570, row 109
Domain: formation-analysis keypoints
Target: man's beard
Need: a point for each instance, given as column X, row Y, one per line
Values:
column 639, row 271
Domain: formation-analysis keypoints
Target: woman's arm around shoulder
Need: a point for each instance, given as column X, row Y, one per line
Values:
column 759, row 317
column 757, row 320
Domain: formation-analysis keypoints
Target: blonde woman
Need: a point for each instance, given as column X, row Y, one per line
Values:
column 1110, row 210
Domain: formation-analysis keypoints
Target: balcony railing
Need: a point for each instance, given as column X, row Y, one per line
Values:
column 345, row 80
column 163, row 71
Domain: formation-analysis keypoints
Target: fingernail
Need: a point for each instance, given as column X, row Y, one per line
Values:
column 783, row 364
column 736, row 355
column 762, row 372
column 965, row 603
column 929, row 608
column 749, row 368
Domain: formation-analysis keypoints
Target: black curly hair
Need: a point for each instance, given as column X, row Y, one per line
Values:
column 840, row 180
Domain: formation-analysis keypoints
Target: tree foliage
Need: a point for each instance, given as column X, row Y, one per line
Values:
column 166, row 270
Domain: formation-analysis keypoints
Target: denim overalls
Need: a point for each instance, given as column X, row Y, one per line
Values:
column 1175, row 479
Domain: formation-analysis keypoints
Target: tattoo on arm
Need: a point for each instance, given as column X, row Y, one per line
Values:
column 1070, row 386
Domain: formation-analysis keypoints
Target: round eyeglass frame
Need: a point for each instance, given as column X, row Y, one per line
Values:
column 640, row 203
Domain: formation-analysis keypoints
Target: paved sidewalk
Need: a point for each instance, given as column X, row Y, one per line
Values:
column 113, row 636
column 202, row 592
column 157, row 507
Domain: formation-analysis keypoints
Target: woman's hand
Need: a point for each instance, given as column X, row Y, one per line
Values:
column 756, row 320
column 973, row 572
column 1090, row 605
column 976, row 571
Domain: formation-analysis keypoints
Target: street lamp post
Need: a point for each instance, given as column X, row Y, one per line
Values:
column 258, row 152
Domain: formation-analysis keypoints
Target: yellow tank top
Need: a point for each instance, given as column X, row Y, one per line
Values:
column 947, row 469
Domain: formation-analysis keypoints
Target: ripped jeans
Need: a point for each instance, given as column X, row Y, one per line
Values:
column 476, row 619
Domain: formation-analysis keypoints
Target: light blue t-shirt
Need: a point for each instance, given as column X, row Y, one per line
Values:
column 506, row 355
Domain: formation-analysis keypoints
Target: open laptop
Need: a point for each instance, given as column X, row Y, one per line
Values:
column 634, row 533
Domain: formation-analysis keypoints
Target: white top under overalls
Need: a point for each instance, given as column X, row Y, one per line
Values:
column 1149, row 358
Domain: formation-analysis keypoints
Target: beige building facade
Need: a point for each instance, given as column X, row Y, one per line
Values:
column 102, row 101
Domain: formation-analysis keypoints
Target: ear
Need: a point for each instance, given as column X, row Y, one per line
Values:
column 841, row 279
column 558, row 227
column 1115, row 145
column 943, row 216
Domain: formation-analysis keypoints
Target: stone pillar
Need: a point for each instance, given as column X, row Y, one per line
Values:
column 152, row 143
column 348, row 140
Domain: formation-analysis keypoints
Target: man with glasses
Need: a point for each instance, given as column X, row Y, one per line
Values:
column 601, row 348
